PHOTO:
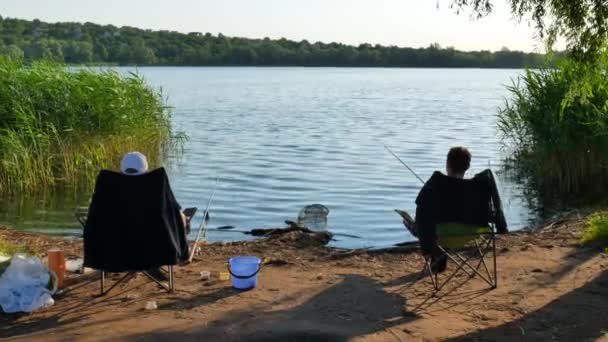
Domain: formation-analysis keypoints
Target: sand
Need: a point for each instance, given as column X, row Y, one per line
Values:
column 549, row 288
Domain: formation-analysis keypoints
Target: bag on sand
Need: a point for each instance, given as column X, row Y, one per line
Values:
column 26, row 285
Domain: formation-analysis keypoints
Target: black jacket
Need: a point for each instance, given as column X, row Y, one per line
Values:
column 134, row 223
column 445, row 199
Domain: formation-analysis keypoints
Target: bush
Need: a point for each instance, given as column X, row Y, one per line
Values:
column 556, row 126
column 596, row 229
column 62, row 125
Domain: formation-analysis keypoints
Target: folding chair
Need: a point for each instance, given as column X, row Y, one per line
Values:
column 133, row 225
column 453, row 238
column 81, row 216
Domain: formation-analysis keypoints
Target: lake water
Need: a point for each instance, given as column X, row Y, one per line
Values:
column 283, row 138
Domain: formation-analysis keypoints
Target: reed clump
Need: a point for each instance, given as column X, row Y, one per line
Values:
column 556, row 126
column 596, row 229
column 60, row 126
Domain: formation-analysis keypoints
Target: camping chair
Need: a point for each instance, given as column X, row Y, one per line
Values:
column 133, row 225
column 454, row 237
column 81, row 216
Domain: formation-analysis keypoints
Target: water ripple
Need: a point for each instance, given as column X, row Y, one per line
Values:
column 282, row 138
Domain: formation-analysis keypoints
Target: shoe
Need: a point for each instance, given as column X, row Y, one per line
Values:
column 439, row 263
column 158, row 274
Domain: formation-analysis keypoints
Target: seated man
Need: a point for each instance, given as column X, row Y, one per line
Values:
column 135, row 163
column 453, row 199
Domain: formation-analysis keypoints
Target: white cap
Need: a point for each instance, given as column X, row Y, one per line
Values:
column 134, row 163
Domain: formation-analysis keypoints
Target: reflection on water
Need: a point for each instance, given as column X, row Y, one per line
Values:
column 50, row 213
column 283, row 138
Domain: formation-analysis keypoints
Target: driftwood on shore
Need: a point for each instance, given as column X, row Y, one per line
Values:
column 295, row 233
column 278, row 231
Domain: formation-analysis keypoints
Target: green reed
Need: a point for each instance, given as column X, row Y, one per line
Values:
column 61, row 126
column 596, row 229
column 556, row 125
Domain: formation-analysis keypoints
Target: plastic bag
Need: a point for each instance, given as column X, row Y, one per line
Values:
column 24, row 285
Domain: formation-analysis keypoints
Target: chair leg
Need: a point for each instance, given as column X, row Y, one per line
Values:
column 434, row 275
column 104, row 291
column 103, row 280
column 463, row 262
column 494, row 256
column 491, row 243
column 482, row 261
column 460, row 264
column 429, row 268
column 171, row 288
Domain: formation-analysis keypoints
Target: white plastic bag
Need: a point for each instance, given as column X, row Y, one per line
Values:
column 23, row 286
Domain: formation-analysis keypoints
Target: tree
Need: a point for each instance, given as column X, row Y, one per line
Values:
column 88, row 42
column 11, row 51
column 48, row 49
column 583, row 23
column 101, row 51
column 78, row 52
column 244, row 56
column 142, row 54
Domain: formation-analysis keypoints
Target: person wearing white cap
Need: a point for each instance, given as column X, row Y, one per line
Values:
column 135, row 164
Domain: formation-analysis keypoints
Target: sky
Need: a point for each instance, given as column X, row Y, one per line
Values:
column 413, row 23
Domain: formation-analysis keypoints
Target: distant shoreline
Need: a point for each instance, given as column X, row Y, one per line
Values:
column 89, row 43
column 293, row 66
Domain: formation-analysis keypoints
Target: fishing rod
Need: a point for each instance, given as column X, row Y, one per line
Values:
column 404, row 164
column 203, row 222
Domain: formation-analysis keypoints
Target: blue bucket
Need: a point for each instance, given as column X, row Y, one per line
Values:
column 244, row 271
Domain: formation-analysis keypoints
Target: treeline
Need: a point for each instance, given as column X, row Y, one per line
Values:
column 91, row 43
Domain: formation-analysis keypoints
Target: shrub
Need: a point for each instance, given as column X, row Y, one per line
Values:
column 596, row 229
column 61, row 126
column 556, row 126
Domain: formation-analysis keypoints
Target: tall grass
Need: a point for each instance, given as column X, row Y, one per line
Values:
column 556, row 125
column 596, row 229
column 61, row 126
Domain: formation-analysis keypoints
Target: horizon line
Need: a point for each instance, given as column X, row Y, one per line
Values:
column 374, row 45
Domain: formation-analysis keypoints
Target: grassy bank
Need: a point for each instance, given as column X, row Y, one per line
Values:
column 61, row 125
column 556, row 126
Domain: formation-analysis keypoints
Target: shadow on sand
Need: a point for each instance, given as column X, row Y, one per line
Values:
column 356, row 306
column 579, row 315
column 78, row 308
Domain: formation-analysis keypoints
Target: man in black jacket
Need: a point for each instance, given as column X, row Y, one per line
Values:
column 453, row 199
column 135, row 164
column 134, row 222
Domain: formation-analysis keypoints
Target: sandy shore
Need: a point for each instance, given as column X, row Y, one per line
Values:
column 550, row 288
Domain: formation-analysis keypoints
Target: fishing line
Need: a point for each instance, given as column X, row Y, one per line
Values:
column 404, row 164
